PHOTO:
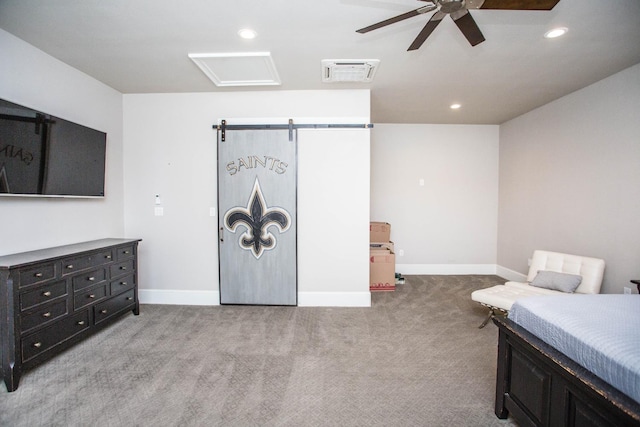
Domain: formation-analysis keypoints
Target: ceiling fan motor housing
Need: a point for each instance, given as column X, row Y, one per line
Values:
column 450, row 6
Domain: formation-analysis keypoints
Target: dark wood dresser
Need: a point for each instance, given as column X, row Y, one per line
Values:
column 50, row 299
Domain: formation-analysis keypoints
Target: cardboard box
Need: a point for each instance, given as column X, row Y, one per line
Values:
column 381, row 245
column 382, row 270
column 379, row 231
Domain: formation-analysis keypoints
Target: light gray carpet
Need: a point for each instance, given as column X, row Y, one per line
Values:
column 415, row 358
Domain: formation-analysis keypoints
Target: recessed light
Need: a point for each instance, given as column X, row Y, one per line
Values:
column 455, row 106
column 556, row 32
column 247, row 33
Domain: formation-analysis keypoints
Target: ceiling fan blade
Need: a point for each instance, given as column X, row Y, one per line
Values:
column 407, row 15
column 516, row 4
column 436, row 18
column 468, row 26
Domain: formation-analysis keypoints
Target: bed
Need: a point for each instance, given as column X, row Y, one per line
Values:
column 570, row 360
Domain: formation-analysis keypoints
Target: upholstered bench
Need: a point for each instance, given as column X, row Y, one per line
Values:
column 550, row 273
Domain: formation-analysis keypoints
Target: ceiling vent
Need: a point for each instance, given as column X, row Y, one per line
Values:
column 349, row 70
column 238, row 68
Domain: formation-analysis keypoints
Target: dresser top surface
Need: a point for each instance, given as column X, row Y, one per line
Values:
column 31, row 257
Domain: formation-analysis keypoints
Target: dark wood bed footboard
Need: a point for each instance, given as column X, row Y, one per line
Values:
column 540, row 386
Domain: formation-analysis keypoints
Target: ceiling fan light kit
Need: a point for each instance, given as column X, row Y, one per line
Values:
column 458, row 10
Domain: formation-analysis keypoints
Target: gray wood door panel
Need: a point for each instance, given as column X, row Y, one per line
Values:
column 257, row 224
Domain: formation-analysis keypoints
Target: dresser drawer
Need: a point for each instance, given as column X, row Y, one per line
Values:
column 125, row 252
column 42, row 294
column 39, row 274
column 89, row 296
column 46, row 314
column 113, row 306
column 121, row 268
column 122, row 284
column 71, row 265
column 89, row 278
column 41, row 341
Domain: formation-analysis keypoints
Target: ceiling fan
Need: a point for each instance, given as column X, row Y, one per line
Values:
column 459, row 12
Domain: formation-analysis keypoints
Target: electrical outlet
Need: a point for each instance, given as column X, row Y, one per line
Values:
column 401, row 252
column 627, row 290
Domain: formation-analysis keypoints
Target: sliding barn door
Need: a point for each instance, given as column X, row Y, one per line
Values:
column 257, row 217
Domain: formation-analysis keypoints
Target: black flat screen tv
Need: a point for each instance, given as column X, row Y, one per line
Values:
column 44, row 155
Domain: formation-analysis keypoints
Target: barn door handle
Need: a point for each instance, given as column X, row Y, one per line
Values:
column 221, row 234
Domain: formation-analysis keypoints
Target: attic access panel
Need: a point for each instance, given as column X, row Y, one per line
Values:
column 238, row 68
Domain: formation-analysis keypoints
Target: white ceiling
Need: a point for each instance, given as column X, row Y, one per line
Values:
column 140, row 46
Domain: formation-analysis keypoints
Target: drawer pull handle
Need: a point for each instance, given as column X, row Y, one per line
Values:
column 81, row 322
column 46, row 294
column 126, row 252
column 103, row 311
column 108, row 256
column 47, row 314
column 91, row 296
column 129, row 298
column 91, row 279
column 123, row 283
column 123, row 268
column 70, row 266
column 38, row 274
column 37, row 344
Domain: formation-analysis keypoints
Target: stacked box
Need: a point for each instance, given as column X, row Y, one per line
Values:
column 382, row 259
column 379, row 231
column 382, row 266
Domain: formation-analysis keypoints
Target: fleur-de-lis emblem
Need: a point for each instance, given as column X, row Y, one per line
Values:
column 257, row 218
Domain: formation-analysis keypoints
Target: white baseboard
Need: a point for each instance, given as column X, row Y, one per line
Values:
column 178, row 297
column 511, row 275
column 334, row 299
column 305, row 299
column 329, row 299
column 410, row 269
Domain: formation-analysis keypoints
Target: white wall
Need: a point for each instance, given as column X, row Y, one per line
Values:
column 449, row 225
column 34, row 79
column 170, row 150
column 570, row 180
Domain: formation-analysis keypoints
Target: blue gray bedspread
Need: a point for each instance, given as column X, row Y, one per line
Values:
column 599, row 332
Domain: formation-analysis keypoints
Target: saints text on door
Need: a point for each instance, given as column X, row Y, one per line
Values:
column 253, row 162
